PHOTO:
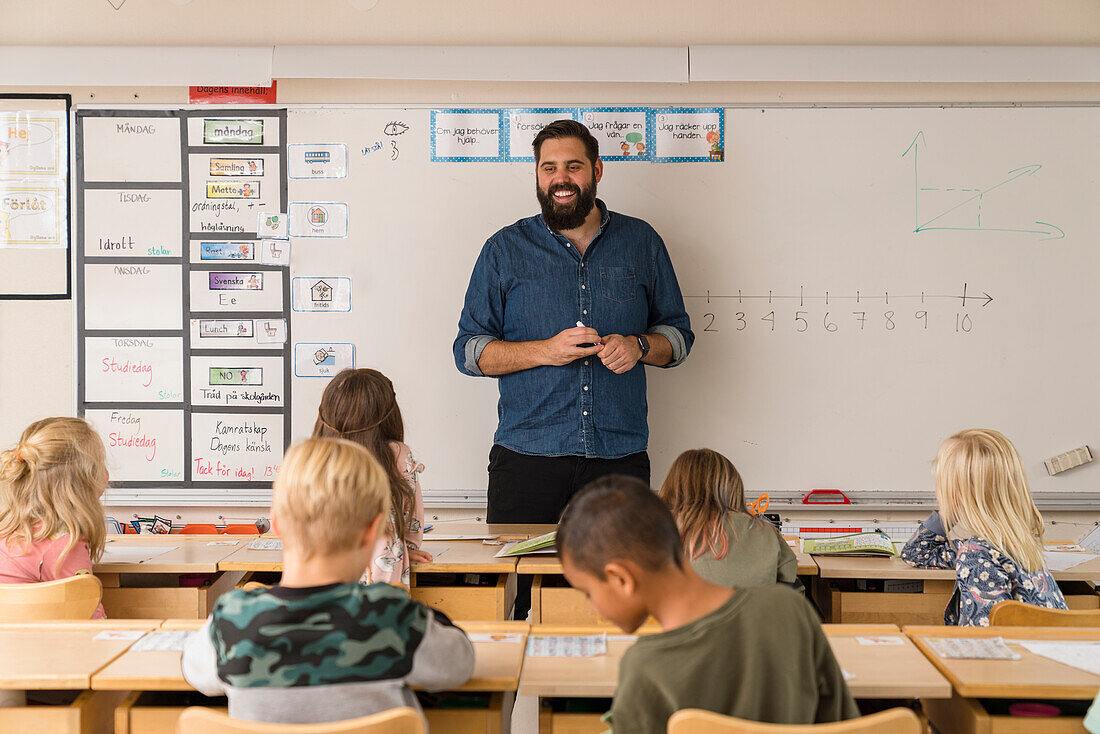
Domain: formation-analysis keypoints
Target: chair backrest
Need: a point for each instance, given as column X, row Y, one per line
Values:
column 1019, row 614
column 201, row 720
column 697, row 721
column 242, row 529
column 73, row 598
column 199, row 528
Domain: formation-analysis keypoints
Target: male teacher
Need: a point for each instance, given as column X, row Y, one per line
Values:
column 563, row 307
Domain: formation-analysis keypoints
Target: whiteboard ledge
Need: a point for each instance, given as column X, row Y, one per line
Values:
column 74, row 66
column 484, row 63
column 153, row 497
column 975, row 64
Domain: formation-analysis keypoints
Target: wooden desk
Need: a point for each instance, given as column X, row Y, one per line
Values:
column 1030, row 677
column 553, row 601
column 504, row 531
column 592, row 677
column 497, row 666
column 125, row 595
column 187, row 555
column 463, row 556
column 862, row 567
column 496, row 671
column 147, row 670
column 836, row 592
column 61, row 655
column 456, row 598
column 459, row 556
column 1088, row 571
column 884, row 671
column 549, row 563
column 247, row 559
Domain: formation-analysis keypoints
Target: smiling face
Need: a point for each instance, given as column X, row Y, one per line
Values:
column 615, row 596
column 566, row 182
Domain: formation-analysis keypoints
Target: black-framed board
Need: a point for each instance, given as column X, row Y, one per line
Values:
column 182, row 315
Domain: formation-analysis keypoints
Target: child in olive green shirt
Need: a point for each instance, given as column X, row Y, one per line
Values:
column 725, row 543
column 755, row 653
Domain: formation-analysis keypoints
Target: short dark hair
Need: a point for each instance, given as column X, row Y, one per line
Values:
column 567, row 129
column 618, row 517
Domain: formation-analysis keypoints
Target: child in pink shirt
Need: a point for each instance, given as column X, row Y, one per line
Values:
column 52, row 524
column 360, row 405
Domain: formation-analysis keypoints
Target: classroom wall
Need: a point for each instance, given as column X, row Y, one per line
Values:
column 526, row 22
column 36, row 353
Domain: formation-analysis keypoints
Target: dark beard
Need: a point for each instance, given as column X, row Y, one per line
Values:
column 570, row 216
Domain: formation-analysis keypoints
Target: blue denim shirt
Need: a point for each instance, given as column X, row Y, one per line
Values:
column 530, row 283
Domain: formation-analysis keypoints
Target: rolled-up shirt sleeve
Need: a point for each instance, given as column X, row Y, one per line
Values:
column 482, row 317
column 667, row 315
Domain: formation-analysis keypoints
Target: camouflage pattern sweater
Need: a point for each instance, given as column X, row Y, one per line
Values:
column 326, row 653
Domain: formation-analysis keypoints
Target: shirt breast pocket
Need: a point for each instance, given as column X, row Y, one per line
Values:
column 618, row 284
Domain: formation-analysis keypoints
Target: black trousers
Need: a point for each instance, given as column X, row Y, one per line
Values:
column 535, row 489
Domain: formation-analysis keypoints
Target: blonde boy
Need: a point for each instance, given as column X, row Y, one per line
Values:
column 319, row 646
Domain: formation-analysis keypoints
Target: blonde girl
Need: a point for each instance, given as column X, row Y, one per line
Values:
column 360, row 405
column 987, row 528
column 52, row 523
column 725, row 544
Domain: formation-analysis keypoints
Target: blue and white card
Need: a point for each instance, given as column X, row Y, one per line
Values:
column 523, row 124
column 467, row 136
column 688, row 135
column 621, row 132
column 322, row 359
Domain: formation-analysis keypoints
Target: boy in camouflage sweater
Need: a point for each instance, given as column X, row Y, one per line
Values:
column 319, row 646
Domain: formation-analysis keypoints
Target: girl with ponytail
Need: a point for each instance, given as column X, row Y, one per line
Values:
column 52, row 523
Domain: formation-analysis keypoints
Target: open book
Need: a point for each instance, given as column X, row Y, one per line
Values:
column 540, row 544
column 858, row 544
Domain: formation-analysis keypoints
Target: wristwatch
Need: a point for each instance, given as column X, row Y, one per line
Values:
column 643, row 343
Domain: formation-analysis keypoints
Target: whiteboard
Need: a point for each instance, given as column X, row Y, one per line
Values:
column 885, row 339
column 862, row 283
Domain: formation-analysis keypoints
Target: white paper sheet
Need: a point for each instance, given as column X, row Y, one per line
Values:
column 127, row 553
column 571, row 646
column 266, row 544
column 1063, row 561
column 441, row 536
column 1081, row 655
column 162, row 640
column 977, row 648
column 119, row 635
column 880, row 641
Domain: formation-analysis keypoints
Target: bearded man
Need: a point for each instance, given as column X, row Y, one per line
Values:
column 564, row 308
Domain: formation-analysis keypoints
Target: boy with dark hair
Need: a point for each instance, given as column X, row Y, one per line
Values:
column 757, row 654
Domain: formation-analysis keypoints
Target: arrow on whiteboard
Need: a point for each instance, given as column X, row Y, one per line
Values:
column 913, row 147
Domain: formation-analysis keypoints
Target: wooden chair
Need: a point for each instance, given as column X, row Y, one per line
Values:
column 1019, row 614
column 73, row 598
column 202, row 720
column 697, row 721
